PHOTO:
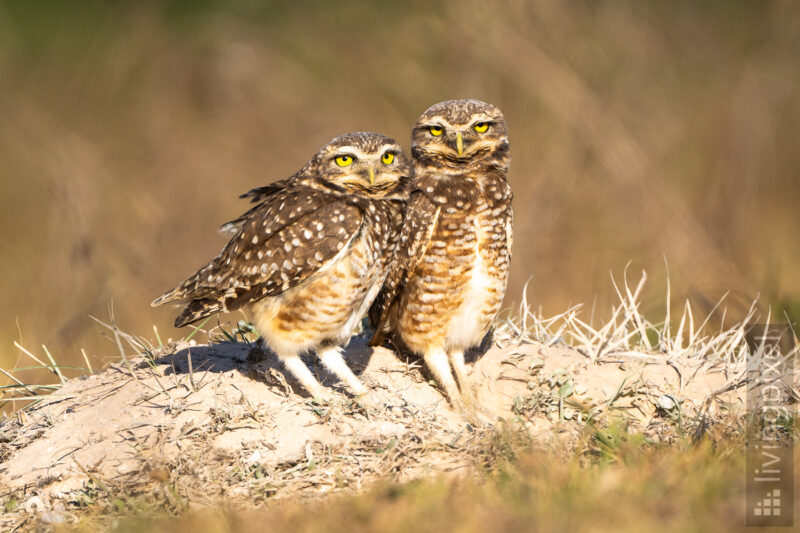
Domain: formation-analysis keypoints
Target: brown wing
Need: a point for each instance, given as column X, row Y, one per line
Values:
column 418, row 226
column 257, row 195
column 290, row 236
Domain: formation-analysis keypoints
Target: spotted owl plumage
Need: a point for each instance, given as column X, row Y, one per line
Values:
column 310, row 256
column 449, row 277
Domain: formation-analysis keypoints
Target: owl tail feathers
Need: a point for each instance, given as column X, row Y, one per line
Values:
column 198, row 310
column 200, row 302
column 169, row 296
column 189, row 290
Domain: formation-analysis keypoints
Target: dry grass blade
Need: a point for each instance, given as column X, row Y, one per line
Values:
column 53, row 361
column 26, row 387
column 36, row 397
column 29, row 354
column 86, row 360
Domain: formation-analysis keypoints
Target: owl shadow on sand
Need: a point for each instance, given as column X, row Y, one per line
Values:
column 255, row 361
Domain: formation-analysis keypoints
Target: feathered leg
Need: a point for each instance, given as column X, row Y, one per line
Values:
column 331, row 357
column 457, row 360
column 438, row 364
column 299, row 370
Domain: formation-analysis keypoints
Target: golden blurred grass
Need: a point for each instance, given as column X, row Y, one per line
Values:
column 639, row 132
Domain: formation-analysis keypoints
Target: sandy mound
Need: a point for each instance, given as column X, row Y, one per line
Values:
column 225, row 421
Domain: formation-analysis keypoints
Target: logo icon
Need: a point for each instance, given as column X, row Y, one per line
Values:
column 770, row 505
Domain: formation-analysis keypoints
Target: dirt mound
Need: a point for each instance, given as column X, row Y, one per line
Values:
column 195, row 423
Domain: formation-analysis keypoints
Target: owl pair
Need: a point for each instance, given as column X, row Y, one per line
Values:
column 423, row 248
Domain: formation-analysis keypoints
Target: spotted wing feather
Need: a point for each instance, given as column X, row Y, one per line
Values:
column 256, row 195
column 418, row 225
column 290, row 236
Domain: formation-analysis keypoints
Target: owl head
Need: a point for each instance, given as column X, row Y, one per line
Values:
column 362, row 163
column 459, row 135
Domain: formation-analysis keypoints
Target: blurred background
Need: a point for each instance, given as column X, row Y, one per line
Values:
column 664, row 134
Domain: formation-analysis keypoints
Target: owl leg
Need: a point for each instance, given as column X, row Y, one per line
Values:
column 299, row 370
column 438, row 364
column 331, row 357
column 457, row 360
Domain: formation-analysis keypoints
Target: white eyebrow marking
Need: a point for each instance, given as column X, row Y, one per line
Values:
column 434, row 122
column 360, row 154
column 483, row 118
column 440, row 121
column 384, row 147
column 349, row 150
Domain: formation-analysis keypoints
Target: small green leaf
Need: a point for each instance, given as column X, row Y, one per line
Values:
column 566, row 390
column 11, row 504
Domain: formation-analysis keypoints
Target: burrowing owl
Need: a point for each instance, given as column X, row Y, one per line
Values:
column 449, row 277
column 310, row 257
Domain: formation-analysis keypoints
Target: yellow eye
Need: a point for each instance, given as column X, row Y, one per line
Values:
column 387, row 158
column 481, row 127
column 435, row 130
column 344, row 160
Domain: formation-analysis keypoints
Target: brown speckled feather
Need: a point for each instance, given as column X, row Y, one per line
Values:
column 272, row 251
column 447, row 223
column 257, row 195
column 419, row 223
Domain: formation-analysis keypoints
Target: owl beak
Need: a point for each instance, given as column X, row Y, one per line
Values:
column 459, row 144
column 371, row 176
